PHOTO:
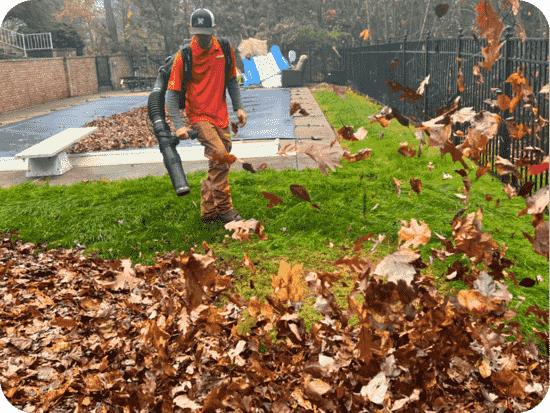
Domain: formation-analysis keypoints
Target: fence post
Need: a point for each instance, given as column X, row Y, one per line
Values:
column 458, row 53
column 426, row 117
column 404, row 64
column 504, row 150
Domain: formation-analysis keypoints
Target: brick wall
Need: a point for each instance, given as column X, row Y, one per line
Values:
column 81, row 75
column 33, row 81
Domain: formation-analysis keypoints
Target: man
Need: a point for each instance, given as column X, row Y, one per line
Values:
column 206, row 109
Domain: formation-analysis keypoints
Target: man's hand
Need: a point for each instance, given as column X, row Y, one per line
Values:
column 242, row 117
column 183, row 133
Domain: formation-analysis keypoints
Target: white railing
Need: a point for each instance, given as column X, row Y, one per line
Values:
column 33, row 41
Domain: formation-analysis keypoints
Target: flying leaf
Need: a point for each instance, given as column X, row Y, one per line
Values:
column 503, row 102
column 405, row 151
column 416, row 185
column 324, row 157
column 300, row 192
column 464, row 115
column 537, row 202
column 413, row 234
column 537, row 169
column 360, row 134
column 408, row 93
column 478, row 75
column 482, row 170
column 362, row 154
column 505, row 167
column 365, row 34
column 273, row 199
column 460, row 80
column 515, row 131
column 346, row 132
column 395, row 63
column 420, row 90
column 227, row 158
column 397, row 186
column 527, row 282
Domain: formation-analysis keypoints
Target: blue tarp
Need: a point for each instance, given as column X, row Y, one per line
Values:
column 267, row 111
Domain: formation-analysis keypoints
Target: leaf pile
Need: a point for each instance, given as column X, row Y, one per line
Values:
column 131, row 129
column 85, row 334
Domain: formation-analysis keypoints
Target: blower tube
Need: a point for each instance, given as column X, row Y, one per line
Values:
column 167, row 141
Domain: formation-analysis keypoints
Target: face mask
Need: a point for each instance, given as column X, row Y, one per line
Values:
column 204, row 41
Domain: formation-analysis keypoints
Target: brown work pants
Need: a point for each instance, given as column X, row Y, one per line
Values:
column 215, row 196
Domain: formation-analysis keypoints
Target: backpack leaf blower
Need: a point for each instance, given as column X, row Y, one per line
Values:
column 167, row 141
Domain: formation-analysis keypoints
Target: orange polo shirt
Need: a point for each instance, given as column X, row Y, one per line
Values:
column 205, row 94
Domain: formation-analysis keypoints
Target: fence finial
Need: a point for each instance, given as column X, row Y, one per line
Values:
column 405, row 36
column 428, row 34
column 460, row 32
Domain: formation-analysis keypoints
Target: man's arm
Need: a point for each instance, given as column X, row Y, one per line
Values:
column 235, row 94
column 173, row 106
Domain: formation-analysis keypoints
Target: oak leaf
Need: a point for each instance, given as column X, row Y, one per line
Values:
column 413, row 234
column 323, row 156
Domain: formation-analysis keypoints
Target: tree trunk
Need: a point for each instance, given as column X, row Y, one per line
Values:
column 111, row 25
column 386, row 23
column 394, row 18
column 368, row 18
column 424, row 23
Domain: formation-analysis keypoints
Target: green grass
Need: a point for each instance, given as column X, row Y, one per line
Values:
column 143, row 216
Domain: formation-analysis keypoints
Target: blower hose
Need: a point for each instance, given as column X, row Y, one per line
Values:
column 167, row 141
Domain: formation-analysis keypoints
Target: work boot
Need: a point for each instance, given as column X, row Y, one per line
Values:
column 232, row 215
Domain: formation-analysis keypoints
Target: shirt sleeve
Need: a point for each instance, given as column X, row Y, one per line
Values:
column 173, row 105
column 176, row 75
column 233, row 70
column 235, row 93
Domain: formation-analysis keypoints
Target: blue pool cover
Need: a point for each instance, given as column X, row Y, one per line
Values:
column 267, row 112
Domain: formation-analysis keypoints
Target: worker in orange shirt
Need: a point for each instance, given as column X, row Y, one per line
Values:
column 206, row 109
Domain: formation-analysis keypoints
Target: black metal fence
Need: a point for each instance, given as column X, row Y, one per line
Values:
column 103, row 71
column 408, row 63
column 146, row 64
